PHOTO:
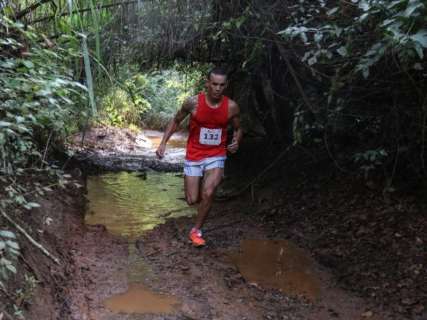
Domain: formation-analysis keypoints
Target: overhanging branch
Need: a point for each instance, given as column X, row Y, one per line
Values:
column 31, row 8
column 83, row 10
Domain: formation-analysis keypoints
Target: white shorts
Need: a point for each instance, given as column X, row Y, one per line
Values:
column 196, row 168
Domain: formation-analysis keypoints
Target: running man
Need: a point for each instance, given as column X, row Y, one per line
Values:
column 210, row 113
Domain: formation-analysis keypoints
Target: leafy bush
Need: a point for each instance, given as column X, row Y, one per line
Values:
column 395, row 27
column 40, row 102
column 125, row 102
column 149, row 99
column 9, row 251
column 37, row 94
column 368, row 58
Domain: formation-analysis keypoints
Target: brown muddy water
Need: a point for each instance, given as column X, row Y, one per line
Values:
column 139, row 299
column 178, row 140
column 129, row 204
column 278, row 264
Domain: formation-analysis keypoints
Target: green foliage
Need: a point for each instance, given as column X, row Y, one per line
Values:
column 150, row 99
column 370, row 159
column 40, row 102
column 37, row 94
column 124, row 104
column 9, row 251
column 369, row 60
column 156, row 32
column 391, row 27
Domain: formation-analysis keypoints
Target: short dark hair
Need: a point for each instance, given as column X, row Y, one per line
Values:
column 218, row 71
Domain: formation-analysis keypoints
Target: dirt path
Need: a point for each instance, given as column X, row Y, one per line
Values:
column 211, row 287
column 206, row 282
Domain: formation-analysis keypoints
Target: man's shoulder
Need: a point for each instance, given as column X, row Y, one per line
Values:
column 192, row 99
column 233, row 106
column 190, row 103
column 231, row 102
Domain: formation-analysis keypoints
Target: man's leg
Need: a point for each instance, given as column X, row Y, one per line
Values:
column 192, row 189
column 211, row 180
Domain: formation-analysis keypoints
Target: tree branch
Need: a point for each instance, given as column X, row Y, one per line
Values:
column 31, row 8
column 84, row 10
column 295, row 77
column 29, row 238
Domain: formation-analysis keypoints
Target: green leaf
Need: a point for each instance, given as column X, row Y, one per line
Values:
column 11, row 268
column 365, row 72
column 7, row 234
column 8, row 64
column 5, row 124
column 364, row 5
column 332, row 11
column 418, row 66
column 419, row 50
column 4, row 261
column 12, row 244
column 312, row 60
column 14, row 251
column 420, row 37
column 342, row 51
column 70, row 6
column 412, row 7
column 88, row 72
column 304, row 37
column 28, row 64
column 33, row 205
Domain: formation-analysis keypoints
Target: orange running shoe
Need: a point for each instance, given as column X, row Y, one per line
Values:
column 196, row 238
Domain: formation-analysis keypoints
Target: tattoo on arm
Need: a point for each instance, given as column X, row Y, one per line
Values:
column 187, row 107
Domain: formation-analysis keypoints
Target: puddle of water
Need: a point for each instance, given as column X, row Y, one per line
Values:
column 139, row 299
column 128, row 204
column 278, row 264
column 172, row 143
column 153, row 139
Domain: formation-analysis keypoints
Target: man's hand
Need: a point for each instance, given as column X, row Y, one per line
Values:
column 233, row 146
column 160, row 152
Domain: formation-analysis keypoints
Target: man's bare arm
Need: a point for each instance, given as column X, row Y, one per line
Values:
column 234, row 112
column 186, row 108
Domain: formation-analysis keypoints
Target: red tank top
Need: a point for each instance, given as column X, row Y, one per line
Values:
column 207, row 130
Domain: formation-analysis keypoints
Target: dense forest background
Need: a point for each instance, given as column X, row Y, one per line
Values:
column 343, row 79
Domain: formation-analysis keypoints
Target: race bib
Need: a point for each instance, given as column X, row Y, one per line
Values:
column 210, row 137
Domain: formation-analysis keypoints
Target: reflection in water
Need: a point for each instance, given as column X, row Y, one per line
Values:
column 277, row 264
column 140, row 300
column 128, row 204
column 176, row 141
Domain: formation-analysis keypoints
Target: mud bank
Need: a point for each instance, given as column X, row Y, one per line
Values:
column 39, row 289
column 45, row 290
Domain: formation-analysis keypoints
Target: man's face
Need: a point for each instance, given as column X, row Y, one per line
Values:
column 216, row 85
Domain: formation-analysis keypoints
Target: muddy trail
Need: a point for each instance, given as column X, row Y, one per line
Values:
column 316, row 247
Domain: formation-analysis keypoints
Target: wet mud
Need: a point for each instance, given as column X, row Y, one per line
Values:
column 213, row 285
column 140, row 300
column 278, row 264
column 265, row 259
column 240, row 274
